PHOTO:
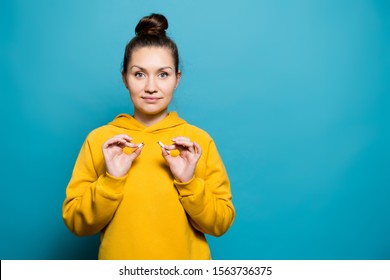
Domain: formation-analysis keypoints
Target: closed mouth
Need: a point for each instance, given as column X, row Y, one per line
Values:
column 151, row 98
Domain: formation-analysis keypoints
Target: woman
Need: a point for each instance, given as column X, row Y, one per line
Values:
column 151, row 184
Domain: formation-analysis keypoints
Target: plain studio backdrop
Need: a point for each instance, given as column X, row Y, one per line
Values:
column 294, row 93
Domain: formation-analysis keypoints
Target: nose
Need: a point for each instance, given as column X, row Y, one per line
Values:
column 150, row 86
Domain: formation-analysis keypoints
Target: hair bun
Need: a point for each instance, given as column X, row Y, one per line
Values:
column 155, row 24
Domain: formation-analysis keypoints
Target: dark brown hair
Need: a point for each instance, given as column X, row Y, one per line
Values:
column 150, row 32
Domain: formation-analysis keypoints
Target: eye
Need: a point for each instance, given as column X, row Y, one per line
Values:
column 139, row 75
column 163, row 75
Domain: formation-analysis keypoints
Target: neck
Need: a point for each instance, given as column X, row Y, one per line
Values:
column 149, row 120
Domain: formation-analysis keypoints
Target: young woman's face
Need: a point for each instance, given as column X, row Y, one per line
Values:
column 151, row 80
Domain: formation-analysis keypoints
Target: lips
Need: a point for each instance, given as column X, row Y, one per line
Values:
column 151, row 99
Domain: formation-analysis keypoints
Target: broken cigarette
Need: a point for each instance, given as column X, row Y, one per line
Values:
column 140, row 146
column 163, row 146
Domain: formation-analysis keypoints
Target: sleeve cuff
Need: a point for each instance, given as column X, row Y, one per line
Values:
column 110, row 186
column 189, row 188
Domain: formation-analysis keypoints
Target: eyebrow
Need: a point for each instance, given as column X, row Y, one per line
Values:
column 159, row 69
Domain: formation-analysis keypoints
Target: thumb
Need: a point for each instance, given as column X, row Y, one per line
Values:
column 135, row 153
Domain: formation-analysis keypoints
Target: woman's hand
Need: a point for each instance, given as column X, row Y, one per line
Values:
column 117, row 161
column 182, row 166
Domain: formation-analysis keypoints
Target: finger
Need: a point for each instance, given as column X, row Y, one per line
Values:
column 140, row 146
column 165, row 152
column 170, row 147
column 115, row 141
column 178, row 147
column 180, row 138
column 134, row 145
column 187, row 145
column 135, row 153
column 164, row 147
column 121, row 143
column 198, row 149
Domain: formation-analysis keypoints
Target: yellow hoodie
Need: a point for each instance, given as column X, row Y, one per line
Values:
column 147, row 214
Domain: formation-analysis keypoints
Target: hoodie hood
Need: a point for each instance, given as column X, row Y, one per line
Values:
column 130, row 123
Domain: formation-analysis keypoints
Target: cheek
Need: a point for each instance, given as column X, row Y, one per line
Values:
column 169, row 88
column 135, row 86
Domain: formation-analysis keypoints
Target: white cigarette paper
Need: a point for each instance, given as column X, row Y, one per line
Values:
column 163, row 146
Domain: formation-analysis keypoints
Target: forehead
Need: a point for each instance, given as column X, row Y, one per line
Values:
column 152, row 57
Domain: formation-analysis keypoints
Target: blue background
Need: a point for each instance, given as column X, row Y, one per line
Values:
column 295, row 94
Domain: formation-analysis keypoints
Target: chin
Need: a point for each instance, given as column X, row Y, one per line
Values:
column 152, row 113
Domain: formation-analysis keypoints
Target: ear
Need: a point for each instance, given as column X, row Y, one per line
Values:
column 178, row 77
column 124, row 79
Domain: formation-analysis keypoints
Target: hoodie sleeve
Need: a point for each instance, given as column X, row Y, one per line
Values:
column 91, row 199
column 208, row 200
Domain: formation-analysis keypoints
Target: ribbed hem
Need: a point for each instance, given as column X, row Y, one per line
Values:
column 110, row 186
column 192, row 187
